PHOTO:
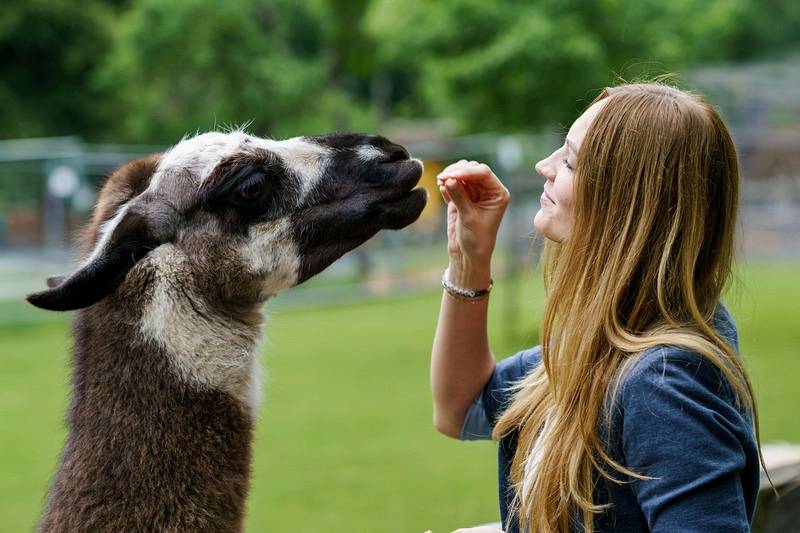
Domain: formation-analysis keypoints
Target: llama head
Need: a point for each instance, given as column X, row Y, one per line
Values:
column 247, row 216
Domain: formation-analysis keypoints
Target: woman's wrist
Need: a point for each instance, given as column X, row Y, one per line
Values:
column 469, row 273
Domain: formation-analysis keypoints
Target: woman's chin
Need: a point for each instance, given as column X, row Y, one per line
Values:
column 546, row 226
column 541, row 221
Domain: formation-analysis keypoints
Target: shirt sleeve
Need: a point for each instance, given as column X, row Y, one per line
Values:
column 496, row 395
column 681, row 427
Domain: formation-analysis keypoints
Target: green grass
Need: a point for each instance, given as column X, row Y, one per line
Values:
column 766, row 306
column 345, row 440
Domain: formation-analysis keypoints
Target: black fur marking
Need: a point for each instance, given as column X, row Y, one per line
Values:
column 355, row 200
column 130, row 241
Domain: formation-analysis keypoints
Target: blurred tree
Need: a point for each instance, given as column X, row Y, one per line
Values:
column 769, row 28
column 350, row 53
column 518, row 64
column 148, row 71
column 49, row 50
column 200, row 64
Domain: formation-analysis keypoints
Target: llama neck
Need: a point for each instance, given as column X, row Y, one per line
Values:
column 157, row 440
column 206, row 346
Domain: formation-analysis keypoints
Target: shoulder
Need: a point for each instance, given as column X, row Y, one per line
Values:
column 677, row 408
column 671, row 391
column 674, row 368
column 674, row 403
column 678, row 421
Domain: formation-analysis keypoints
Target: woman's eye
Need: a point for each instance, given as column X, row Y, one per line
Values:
column 566, row 163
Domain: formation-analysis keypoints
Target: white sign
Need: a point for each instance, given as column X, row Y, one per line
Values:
column 62, row 182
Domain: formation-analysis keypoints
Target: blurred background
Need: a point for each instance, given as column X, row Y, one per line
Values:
column 345, row 441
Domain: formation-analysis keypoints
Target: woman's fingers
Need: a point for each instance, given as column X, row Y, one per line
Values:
column 455, row 170
column 457, row 164
column 464, row 165
column 473, row 193
column 458, row 195
column 481, row 186
column 477, row 178
column 445, row 194
column 476, row 172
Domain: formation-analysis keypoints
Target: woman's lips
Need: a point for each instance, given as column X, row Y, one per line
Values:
column 546, row 198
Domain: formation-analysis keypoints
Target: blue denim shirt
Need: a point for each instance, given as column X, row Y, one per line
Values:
column 675, row 420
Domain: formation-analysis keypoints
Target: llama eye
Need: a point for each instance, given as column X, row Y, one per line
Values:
column 252, row 187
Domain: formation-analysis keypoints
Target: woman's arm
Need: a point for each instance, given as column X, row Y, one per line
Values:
column 461, row 361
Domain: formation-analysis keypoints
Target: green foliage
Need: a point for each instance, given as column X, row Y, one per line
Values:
column 767, row 28
column 199, row 64
column 50, row 50
column 148, row 71
column 519, row 64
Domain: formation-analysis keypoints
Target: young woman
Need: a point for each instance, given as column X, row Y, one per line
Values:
column 635, row 413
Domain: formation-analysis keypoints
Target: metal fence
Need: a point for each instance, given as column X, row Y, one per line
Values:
column 48, row 186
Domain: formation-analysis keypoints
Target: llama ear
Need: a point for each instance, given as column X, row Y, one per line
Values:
column 129, row 240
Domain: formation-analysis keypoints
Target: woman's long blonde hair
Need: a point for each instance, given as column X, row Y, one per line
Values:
column 648, row 256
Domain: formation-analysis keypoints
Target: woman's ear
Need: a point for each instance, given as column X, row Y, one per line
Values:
column 129, row 240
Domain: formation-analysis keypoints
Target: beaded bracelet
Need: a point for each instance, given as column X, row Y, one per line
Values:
column 465, row 295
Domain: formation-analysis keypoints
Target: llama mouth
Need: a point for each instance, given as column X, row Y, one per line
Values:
column 407, row 173
column 325, row 235
column 400, row 211
column 392, row 201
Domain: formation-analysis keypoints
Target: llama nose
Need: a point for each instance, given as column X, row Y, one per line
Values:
column 392, row 151
column 395, row 152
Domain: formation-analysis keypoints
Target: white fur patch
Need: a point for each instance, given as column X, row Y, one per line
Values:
column 200, row 154
column 106, row 230
column 369, row 153
column 307, row 159
column 206, row 348
column 272, row 255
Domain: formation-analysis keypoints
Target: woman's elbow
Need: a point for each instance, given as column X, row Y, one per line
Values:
column 449, row 425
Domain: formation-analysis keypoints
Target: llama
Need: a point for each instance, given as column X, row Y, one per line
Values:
column 183, row 249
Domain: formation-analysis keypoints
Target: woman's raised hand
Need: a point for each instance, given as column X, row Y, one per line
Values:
column 476, row 201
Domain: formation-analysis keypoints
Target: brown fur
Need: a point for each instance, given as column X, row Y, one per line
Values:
column 124, row 183
column 145, row 452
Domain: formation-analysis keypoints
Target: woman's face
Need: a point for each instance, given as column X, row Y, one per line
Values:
column 554, row 219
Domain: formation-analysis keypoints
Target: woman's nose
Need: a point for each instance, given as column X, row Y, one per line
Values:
column 545, row 169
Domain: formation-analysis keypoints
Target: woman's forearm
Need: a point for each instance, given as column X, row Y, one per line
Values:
column 461, row 361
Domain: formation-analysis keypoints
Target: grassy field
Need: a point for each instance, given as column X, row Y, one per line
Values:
column 345, row 440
